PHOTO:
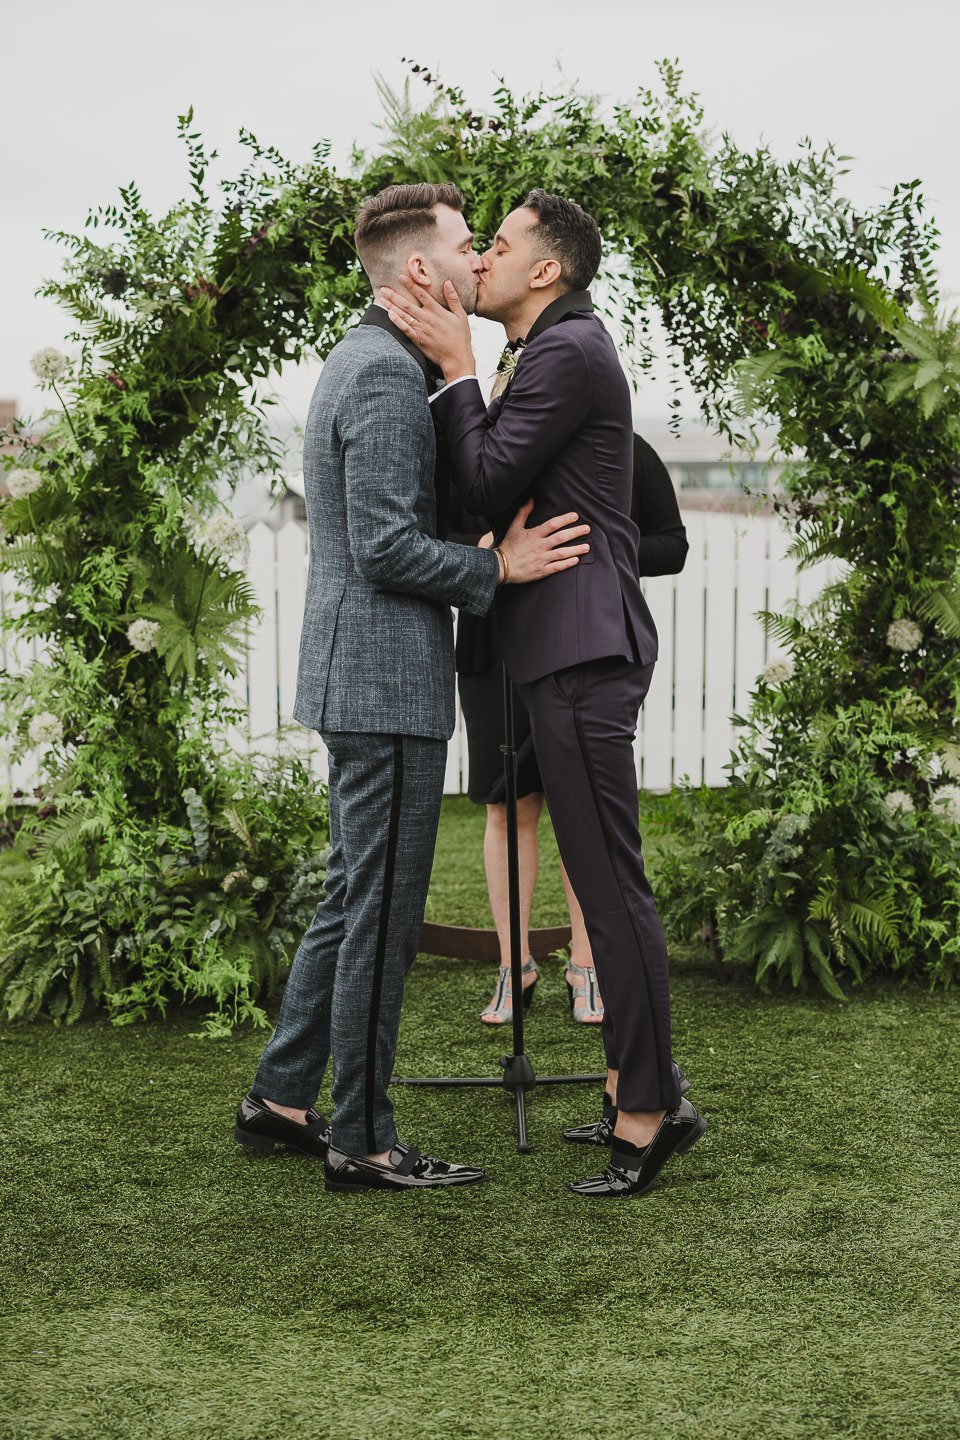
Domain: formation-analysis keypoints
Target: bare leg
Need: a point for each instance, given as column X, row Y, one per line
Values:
column 636, row 1126
column 289, row 1111
column 495, row 863
column 580, row 952
column 582, row 956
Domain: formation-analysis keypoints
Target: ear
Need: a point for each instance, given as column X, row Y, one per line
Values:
column 417, row 271
column 544, row 274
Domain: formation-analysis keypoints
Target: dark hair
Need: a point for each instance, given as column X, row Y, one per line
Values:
column 569, row 234
column 399, row 213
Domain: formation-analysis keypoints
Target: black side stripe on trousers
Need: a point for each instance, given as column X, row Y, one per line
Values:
column 664, row 1070
column 383, row 929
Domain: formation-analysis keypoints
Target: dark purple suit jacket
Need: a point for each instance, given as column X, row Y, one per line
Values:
column 563, row 434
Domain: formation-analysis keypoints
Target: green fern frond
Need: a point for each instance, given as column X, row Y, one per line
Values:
column 942, row 606
column 64, row 831
column 873, row 920
column 754, row 378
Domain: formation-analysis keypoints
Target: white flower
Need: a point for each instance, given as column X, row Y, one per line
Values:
column 945, row 803
column 142, row 635
column 23, row 482
column 904, row 634
column 234, row 880
column 45, row 729
column 226, row 535
column 898, row 802
column 777, row 672
column 48, row 364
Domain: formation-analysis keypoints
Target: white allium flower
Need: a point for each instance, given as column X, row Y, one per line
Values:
column 226, row 535
column 898, row 802
column 45, row 729
column 945, row 803
column 142, row 635
column 23, row 482
column 904, row 634
column 777, row 672
column 48, row 364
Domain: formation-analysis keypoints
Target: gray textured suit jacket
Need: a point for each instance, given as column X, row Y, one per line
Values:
column 376, row 652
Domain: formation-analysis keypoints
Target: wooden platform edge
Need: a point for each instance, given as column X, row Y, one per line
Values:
column 461, row 942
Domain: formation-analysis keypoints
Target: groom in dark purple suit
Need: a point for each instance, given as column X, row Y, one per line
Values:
column 581, row 647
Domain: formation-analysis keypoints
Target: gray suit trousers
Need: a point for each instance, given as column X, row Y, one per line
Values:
column 345, row 989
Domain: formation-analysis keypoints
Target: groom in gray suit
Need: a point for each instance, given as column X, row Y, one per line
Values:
column 377, row 680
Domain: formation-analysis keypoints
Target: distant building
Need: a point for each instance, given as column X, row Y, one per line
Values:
column 707, row 473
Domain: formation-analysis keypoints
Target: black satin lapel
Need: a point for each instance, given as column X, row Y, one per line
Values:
column 557, row 309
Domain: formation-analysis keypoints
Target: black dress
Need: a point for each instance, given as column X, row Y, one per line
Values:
column 662, row 551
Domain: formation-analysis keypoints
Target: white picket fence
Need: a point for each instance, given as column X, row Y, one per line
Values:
column 712, row 648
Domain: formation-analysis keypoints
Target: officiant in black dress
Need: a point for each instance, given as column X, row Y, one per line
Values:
column 662, row 551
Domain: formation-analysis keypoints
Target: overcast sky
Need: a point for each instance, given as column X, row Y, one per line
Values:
column 91, row 89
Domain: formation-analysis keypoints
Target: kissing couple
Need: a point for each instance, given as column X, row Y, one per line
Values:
column 397, row 427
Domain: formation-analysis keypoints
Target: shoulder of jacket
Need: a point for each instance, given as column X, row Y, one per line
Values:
column 373, row 362
column 373, row 347
column 569, row 334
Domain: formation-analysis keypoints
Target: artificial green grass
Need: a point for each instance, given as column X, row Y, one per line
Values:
column 793, row 1277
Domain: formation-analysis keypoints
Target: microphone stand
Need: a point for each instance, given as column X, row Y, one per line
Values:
column 518, row 1074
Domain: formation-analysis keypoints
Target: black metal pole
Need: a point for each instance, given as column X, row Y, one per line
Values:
column 509, row 752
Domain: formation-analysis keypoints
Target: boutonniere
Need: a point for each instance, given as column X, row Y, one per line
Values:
column 507, row 364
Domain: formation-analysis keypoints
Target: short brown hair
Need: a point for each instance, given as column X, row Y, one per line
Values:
column 398, row 214
column 569, row 234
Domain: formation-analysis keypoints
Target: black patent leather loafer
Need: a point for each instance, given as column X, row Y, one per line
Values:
column 600, row 1132
column 261, row 1129
column 407, row 1170
column 633, row 1172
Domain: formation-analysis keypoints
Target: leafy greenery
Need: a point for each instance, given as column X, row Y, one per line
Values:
column 783, row 303
column 121, row 911
column 130, row 573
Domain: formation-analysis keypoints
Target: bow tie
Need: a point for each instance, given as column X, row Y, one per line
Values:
column 506, row 366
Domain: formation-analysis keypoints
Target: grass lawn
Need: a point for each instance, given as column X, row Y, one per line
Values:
column 795, row 1276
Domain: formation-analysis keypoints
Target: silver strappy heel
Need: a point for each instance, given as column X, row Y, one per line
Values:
column 500, row 1009
column 585, row 1001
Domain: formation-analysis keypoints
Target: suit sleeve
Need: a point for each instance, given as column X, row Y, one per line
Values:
column 384, row 426
column 496, row 460
column 656, row 514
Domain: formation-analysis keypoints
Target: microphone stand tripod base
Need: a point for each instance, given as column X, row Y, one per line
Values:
column 518, row 1073
column 518, row 1076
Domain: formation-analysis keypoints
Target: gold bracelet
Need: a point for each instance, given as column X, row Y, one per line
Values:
column 503, row 560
